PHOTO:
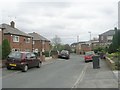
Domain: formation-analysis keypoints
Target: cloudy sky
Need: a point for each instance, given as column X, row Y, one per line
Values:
column 64, row 18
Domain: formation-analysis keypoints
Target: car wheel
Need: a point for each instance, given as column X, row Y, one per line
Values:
column 8, row 68
column 85, row 61
column 25, row 68
column 39, row 65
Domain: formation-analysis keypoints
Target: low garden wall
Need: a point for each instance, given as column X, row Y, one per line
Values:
column 111, row 63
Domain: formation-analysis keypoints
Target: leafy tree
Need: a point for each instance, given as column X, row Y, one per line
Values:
column 115, row 42
column 5, row 48
column 0, row 52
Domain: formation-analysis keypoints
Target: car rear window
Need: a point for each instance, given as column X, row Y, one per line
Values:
column 89, row 53
column 15, row 55
column 64, row 52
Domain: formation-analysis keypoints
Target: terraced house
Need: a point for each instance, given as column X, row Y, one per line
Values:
column 19, row 41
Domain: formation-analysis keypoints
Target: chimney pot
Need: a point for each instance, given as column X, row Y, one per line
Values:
column 12, row 23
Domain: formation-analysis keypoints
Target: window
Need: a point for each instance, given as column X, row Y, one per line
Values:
column 15, row 55
column 101, row 37
column 27, row 40
column 15, row 38
column 28, row 56
column 109, row 38
column 33, row 42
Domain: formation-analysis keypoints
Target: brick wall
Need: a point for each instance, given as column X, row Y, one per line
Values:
column 21, row 45
column 38, row 45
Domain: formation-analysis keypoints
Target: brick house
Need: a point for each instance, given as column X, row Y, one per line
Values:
column 81, row 47
column 106, row 37
column 19, row 41
column 40, row 43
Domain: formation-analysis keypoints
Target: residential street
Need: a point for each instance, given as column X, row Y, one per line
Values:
column 61, row 73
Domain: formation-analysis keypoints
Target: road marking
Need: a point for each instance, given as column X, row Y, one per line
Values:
column 80, row 78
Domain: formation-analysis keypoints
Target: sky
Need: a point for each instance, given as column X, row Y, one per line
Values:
column 67, row 19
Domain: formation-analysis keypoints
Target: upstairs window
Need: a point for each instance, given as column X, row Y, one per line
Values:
column 15, row 38
column 27, row 40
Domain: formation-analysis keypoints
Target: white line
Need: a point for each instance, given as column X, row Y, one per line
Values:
column 80, row 76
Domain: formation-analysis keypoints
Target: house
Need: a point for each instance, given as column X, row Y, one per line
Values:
column 40, row 43
column 106, row 37
column 0, row 35
column 81, row 47
column 19, row 41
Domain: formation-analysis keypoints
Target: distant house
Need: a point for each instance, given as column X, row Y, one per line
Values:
column 106, row 37
column 81, row 47
column 19, row 41
column 40, row 43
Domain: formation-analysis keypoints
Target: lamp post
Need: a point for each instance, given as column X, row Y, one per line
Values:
column 90, row 39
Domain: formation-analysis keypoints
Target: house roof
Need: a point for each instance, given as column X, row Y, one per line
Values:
column 109, row 33
column 10, row 30
column 37, row 36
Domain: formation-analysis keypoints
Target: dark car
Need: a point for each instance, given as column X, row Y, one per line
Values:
column 88, row 56
column 22, row 60
column 64, row 54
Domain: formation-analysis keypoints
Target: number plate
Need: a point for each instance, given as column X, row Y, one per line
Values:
column 12, row 65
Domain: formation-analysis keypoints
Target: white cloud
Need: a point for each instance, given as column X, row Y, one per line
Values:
column 65, row 18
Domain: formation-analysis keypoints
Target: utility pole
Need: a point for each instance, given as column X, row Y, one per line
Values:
column 90, row 40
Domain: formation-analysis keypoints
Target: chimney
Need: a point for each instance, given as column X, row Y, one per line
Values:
column 12, row 23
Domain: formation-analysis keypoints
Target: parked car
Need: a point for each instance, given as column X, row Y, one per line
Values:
column 88, row 56
column 64, row 54
column 22, row 60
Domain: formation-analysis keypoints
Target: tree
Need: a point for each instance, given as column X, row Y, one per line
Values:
column 115, row 42
column 0, row 52
column 56, row 42
column 5, row 48
column 67, row 47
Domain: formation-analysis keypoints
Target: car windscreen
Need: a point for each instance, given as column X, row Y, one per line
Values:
column 15, row 55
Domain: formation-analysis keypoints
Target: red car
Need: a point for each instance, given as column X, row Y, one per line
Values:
column 88, row 56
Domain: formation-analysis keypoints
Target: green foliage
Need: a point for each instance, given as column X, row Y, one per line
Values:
column 99, row 49
column 0, row 52
column 5, row 48
column 115, row 42
column 47, row 54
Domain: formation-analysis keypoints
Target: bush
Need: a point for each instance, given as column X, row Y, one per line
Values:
column 0, row 52
column 47, row 53
column 5, row 48
column 54, row 52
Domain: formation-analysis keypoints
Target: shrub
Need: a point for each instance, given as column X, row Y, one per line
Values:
column 47, row 53
column 5, row 48
column 0, row 52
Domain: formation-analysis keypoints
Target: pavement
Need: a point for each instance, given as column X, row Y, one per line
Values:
column 99, row 78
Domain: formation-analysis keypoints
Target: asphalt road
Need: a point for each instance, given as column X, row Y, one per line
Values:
column 61, row 73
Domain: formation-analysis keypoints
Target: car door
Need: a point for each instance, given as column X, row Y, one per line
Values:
column 29, row 60
column 34, row 60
